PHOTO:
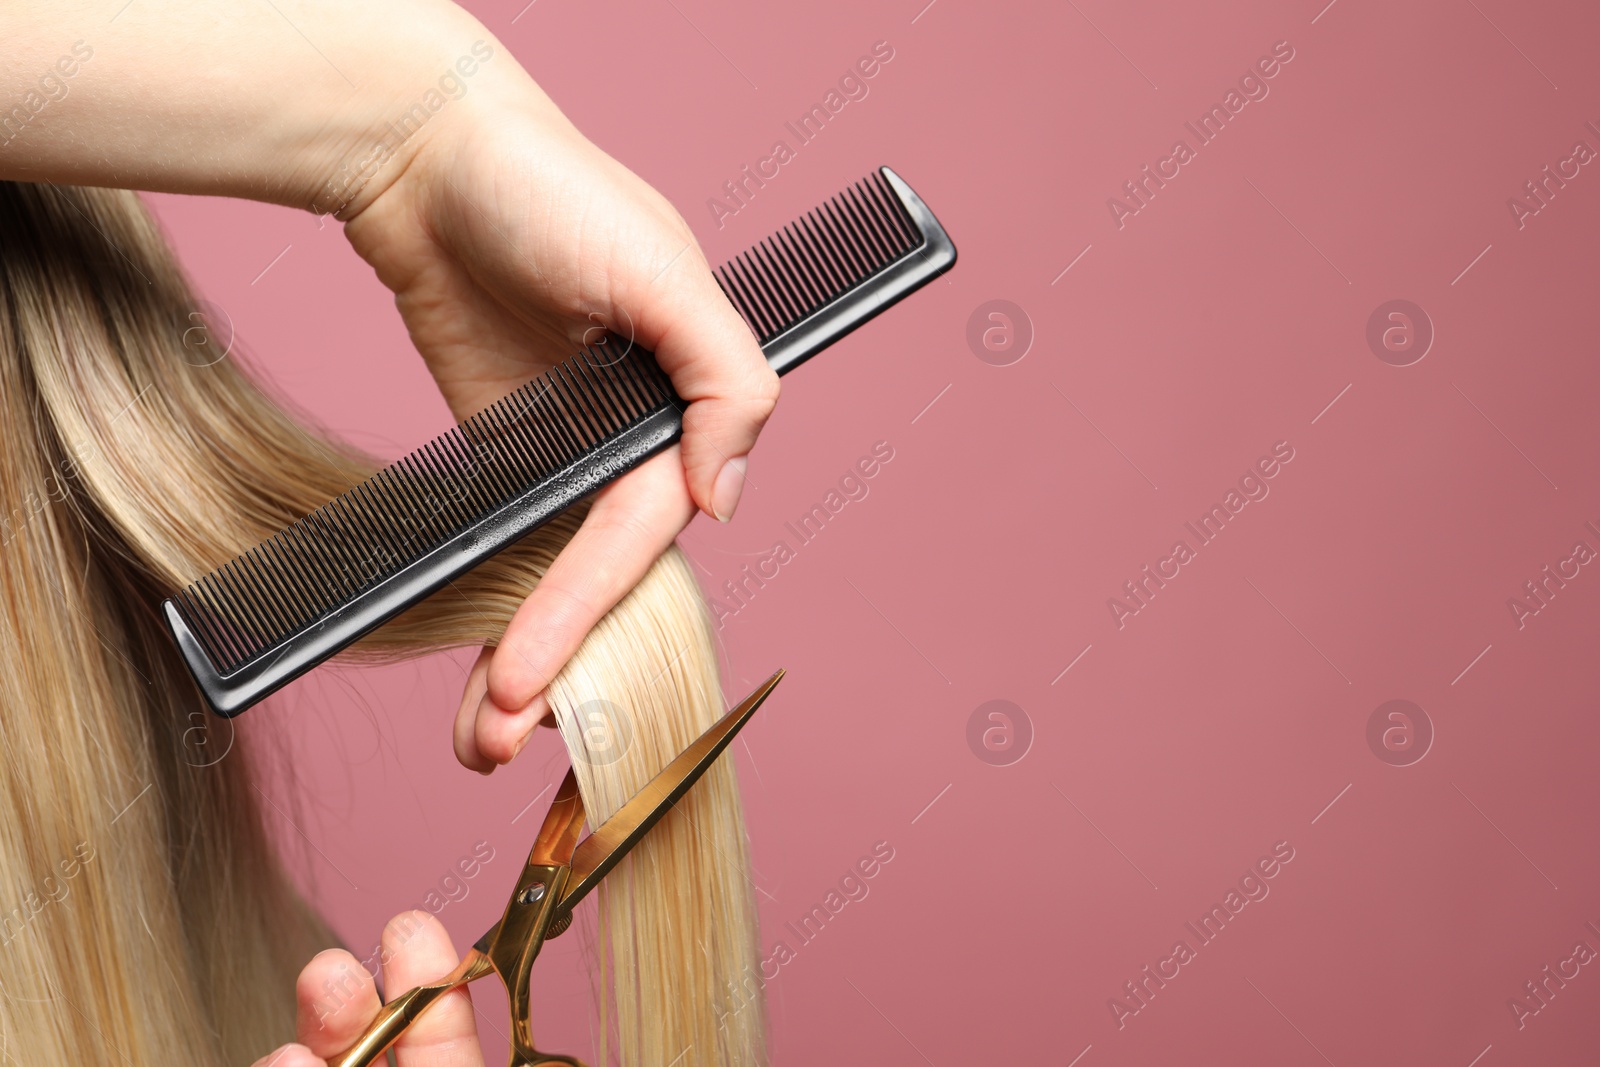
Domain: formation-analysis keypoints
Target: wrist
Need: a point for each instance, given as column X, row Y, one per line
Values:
column 296, row 102
column 433, row 74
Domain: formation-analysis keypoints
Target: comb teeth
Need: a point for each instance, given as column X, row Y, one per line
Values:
column 267, row 617
column 340, row 551
column 825, row 253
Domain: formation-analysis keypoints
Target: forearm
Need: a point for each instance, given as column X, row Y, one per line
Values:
column 314, row 105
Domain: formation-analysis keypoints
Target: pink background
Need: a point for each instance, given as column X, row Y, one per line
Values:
column 1231, row 712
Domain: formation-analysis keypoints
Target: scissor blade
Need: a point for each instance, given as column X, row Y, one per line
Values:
column 598, row 853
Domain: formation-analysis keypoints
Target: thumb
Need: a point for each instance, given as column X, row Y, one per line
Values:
column 416, row 951
column 716, row 365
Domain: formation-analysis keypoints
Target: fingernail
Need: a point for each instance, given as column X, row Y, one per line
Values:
column 538, row 707
column 487, row 707
column 726, row 489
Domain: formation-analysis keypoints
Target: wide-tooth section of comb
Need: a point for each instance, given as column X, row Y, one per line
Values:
column 463, row 480
column 275, row 612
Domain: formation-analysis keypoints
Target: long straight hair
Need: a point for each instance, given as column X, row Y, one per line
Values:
column 146, row 918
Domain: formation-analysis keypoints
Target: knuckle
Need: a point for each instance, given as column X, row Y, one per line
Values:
column 565, row 612
column 617, row 533
column 765, row 398
column 677, row 223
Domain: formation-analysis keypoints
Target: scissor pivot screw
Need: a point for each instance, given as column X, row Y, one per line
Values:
column 531, row 894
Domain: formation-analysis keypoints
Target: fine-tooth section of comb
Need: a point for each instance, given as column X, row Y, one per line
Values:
column 313, row 589
column 836, row 267
column 820, row 255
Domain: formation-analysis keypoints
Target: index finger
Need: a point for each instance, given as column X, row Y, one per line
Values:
column 335, row 1000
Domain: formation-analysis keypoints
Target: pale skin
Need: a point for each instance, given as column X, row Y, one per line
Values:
column 505, row 235
column 336, row 1000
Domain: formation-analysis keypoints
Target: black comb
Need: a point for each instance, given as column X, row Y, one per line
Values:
column 262, row 620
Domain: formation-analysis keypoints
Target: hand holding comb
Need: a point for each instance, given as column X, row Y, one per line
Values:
column 267, row 617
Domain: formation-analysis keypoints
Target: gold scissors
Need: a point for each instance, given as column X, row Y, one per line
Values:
column 560, row 872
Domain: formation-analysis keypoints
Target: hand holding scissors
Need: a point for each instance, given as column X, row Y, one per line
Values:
column 559, row 873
